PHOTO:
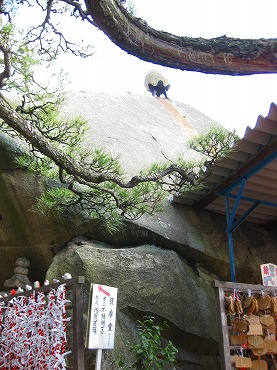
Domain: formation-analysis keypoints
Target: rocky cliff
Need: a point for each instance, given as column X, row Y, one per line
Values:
column 163, row 265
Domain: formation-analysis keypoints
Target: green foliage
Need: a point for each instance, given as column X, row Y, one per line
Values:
column 23, row 59
column 102, row 161
column 214, row 144
column 64, row 134
column 6, row 32
column 51, row 203
column 145, row 198
column 151, row 352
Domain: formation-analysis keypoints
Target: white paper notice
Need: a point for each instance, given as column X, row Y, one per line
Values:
column 102, row 314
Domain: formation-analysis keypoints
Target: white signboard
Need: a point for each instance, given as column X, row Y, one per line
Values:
column 101, row 317
column 269, row 274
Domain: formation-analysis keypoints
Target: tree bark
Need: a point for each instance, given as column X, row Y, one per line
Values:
column 221, row 55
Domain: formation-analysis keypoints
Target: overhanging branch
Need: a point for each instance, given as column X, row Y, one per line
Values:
column 222, row 55
column 65, row 162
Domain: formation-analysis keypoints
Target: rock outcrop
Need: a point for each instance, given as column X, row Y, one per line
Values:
column 150, row 281
column 163, row 265
column 117, row 123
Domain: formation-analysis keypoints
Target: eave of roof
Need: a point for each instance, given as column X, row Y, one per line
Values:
column 255, row 155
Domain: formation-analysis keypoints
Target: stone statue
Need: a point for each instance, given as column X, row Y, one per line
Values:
column 20, row 277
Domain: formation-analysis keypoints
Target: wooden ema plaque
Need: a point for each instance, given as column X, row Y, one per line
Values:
column 271, row 346
column 255, row 342
column 238, row 339
column 255, row 329
column 267, row 320
column 243, row 362
column 253, row 320
column 259, row 365
column 261, row 322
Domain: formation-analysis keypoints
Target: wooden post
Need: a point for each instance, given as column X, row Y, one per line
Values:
column 78, row 330
column 225, row 358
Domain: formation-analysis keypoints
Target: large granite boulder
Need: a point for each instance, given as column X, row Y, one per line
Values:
column 139, row 129
column 164, row 265
column 9, row 149
column 150, row 281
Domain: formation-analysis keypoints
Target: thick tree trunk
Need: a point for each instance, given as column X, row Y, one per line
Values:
column 221, row 55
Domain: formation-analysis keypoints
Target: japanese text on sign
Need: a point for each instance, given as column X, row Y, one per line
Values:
column 102, row 314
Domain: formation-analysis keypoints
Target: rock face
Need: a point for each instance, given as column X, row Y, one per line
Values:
column 26, row 233
column 163, row 265
column 139, row 129
column 154, row 281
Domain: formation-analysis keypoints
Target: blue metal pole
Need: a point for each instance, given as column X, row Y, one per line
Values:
column 233, row 214
column 232, row 257
column 230, row 242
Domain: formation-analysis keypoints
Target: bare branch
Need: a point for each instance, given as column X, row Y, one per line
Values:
column 85, row 15
column 45, row 34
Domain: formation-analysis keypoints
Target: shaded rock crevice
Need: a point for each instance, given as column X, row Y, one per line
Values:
column 135, row 234
column 183, row 339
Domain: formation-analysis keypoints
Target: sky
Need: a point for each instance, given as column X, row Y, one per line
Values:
column 235, row 102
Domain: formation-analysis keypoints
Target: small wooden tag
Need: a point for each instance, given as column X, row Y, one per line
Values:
column 243, row 362
column 259, row 351
column 267, row 320
column 255, row 330
column 259, row 365
column 269, row 337
column 247, row 302
column 250, row 305
column 271, row 346
column 264, row 302
column 274, row 304
column 238, row 339
column 239, row 326
column 253, row 320
column 255, row 342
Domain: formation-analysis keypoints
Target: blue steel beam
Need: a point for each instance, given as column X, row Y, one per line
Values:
column 235, row 207
column 230, row 244
column 230, row 216
column 251, row 200
column 244, row 216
